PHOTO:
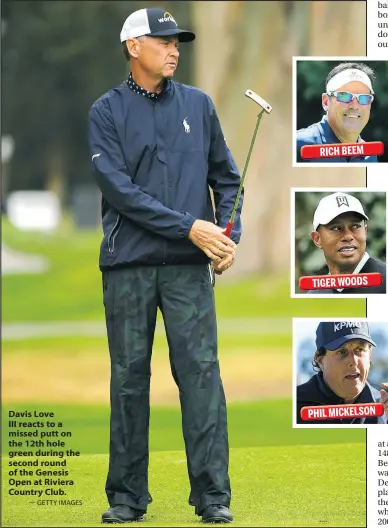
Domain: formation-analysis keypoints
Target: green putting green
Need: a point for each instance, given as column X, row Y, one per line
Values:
column 272, row 486
column 280, row 476
column 251, row 424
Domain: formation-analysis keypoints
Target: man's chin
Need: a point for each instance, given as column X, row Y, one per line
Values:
column 353, row 124
column 352, row 127
column 348, row 264
column 351, row 389
column 168, row 73
column 351, row 397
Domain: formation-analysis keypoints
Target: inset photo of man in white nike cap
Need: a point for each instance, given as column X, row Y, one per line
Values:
column 340, row 242
column 338, row 111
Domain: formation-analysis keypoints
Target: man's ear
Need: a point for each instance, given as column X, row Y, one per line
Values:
column 133, row 47
column 318, row 359
column 325, row 101
column 316, row 238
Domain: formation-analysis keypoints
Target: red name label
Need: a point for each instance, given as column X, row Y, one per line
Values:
column 338, row 412
column 339, row 150
column 349, row 280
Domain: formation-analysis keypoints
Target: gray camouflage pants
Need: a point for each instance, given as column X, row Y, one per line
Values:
column 184, row 294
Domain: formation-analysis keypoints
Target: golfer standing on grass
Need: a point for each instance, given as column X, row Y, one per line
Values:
column 156, row 147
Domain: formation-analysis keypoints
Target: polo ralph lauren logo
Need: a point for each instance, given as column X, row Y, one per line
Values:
column 186, row 125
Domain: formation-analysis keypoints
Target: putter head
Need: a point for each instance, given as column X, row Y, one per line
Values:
column 259, row 100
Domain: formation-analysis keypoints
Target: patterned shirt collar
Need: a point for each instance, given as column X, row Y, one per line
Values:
column 141, row 91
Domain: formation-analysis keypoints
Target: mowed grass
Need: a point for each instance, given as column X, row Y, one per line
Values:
column 228, row 341
column 71, row 289
column 280, row 476
column 272, row 486
column 252, row 367
column 250, row 424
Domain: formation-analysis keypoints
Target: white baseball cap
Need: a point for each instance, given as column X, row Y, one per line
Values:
column 336, row 204
column 154, row 22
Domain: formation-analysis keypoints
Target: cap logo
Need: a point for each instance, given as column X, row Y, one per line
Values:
column 342, row 200
column 167, row 17
column 339, row 326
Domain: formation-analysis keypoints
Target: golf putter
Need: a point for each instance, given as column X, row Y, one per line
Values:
column 265, row 107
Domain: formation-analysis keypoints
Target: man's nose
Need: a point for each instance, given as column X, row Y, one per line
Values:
column 354, row 104
column 352, row 358
column 347, row 234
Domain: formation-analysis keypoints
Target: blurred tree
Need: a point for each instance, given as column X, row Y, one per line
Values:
column 311, row 78
column 251, row 45
column 58, row 58
column 309, row 260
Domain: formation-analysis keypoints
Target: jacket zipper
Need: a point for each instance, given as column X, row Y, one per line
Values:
column 113, row 234
column 164, row 256
column 211, row 274
column 167, row 205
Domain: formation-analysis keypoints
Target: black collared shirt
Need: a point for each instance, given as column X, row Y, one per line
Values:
column 141, row 91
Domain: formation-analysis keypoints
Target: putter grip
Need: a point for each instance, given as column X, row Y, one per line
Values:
column 228, row 229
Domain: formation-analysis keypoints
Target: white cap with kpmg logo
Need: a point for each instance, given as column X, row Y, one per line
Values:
column 153, row 22
column 336, row 204
column 331, row 335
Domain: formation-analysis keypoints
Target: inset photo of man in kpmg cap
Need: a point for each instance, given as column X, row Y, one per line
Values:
column 352, row 95
column 341, row 370
column 341, row 233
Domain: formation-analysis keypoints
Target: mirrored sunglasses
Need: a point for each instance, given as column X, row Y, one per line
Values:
column 346, row 97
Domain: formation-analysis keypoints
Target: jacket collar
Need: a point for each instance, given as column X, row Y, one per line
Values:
column 153, row 96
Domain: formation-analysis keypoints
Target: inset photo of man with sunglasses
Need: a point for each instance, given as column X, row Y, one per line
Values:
column 339, row 111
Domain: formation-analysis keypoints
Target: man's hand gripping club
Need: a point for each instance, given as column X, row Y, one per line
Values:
column 210, row 238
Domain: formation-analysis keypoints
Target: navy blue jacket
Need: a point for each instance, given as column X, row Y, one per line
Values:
column 154, row 161
column 316, row 392
column 319, row 134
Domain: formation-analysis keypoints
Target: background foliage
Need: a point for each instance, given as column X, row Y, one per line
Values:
column 59, row 57
column 63, row 56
